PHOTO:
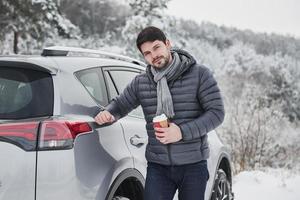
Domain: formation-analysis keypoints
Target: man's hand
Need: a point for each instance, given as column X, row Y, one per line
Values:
column 104, row 117
column 168, row 135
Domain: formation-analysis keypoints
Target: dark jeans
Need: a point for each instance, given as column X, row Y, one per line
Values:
column 163, row 181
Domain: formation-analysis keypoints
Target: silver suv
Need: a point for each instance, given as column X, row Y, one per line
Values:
column 50, row 146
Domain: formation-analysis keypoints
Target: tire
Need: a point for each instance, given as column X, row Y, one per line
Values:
column 119, row 198
column 221, row 188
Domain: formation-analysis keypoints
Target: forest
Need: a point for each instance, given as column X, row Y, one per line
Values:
column 258, row 73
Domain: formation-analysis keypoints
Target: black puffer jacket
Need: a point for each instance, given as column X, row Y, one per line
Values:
column 198, row 108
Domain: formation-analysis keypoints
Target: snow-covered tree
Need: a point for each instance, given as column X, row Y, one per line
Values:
column 33, row 20
column 285, row 84
column 145, row 13
column 252, row 131
column 148, row 8
column 96, row 17
column 260, row 94
column 51, row 14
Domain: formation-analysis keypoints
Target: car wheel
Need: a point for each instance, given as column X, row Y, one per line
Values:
column 221, row 188
column 119, row 198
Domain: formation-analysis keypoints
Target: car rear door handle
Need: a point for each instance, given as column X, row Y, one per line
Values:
column 138, row 141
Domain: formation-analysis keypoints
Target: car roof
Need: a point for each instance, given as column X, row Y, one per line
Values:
column 46, row 64
column 83, row 57
column 71, row 64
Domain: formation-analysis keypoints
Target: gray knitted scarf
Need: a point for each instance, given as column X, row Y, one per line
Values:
column 161, row 77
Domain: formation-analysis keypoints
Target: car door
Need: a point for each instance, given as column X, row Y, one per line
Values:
column 110, row 137
column 136, row 137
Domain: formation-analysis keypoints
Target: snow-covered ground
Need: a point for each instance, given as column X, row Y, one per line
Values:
column 267, row 185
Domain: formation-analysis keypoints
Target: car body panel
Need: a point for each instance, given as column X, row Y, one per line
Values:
column 17, row 172
column 135, row 127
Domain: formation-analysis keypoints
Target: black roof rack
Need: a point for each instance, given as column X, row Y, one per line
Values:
column 65, row 51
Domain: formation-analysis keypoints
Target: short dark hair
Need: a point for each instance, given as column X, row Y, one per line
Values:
column 150, row 34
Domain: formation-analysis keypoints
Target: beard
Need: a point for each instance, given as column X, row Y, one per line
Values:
column 161, row 61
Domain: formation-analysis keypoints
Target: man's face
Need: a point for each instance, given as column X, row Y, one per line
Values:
column 157, row 53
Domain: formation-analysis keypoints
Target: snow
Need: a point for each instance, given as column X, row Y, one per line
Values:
column 271, row 184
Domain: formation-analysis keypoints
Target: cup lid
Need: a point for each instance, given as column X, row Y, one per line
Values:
column 159, row 118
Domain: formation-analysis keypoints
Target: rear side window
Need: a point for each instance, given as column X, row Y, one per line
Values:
column 120, row 78
column 25, row 93
column 93, row 82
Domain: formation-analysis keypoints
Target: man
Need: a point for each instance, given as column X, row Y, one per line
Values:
column 186, row 92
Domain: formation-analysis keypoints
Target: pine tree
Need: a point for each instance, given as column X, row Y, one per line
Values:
column 35, row 19
column 145, row 13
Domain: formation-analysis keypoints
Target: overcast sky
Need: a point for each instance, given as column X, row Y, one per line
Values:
column 279, row 16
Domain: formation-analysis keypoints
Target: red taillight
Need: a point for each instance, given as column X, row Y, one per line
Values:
column 54, row 134
column 26, row 130
column 60, row 134
column 78, row 127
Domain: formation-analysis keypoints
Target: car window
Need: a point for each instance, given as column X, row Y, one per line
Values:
column 110, row 85
column 93, row 82
column 120, row 78
column 25, row 93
